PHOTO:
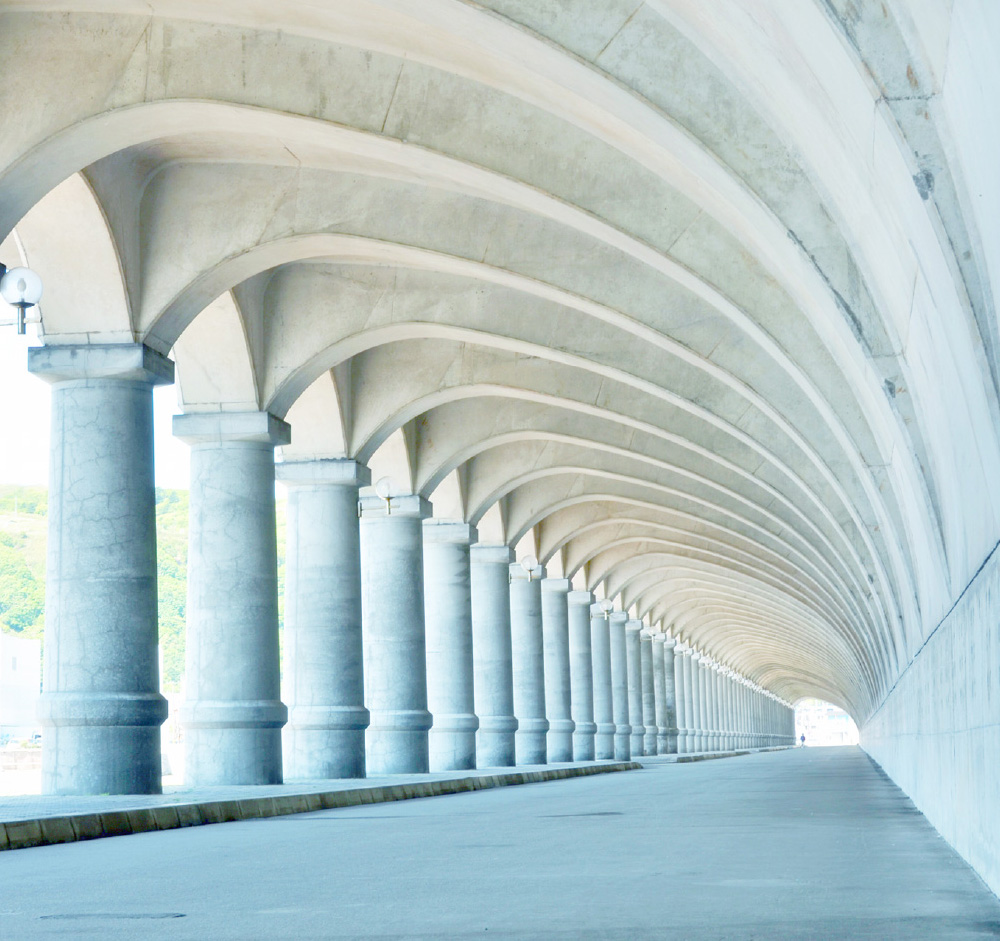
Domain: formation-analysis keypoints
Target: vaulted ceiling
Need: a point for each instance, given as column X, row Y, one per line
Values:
column 694, row 297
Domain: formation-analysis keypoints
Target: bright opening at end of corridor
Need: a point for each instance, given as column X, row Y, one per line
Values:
column 823, row 724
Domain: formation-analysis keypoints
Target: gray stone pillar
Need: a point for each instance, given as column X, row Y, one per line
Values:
column 233, row 714
column 734, row 692
column 101, row 706
column 712, row 696
column 323, row 681
column 667, row 744
column 633, row 667
column 698, row 703
column 659, row 697
column 581, row 673
column 528, row 665
column 619, row 687
column 491, row 655
column 740, row 689
column 392, row 607
column 558, row 694
column 600, row 645
column 448, row 622
column 648, row 693
column 686, row 735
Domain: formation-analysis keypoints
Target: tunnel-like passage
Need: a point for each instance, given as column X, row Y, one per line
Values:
column 632, row 368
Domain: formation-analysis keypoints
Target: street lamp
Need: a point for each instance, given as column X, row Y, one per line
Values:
column 383, row 489
column 21, row 288
column 529, row 563
column 607, row 605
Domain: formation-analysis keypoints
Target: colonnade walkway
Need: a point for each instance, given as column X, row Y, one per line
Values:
column 807, row 843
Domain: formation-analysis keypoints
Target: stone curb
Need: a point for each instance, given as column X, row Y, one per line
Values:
column 22, row 834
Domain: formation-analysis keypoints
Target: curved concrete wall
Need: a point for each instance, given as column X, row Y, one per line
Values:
column 937, row 733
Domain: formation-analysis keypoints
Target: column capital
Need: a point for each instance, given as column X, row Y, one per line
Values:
column 633, row 625
column 195, row 428
column 333, row 472
column 619, row 617
column 133, row 362
column 582, row 598
column 497, row 555
column 557, row 584
column 410, row 505
column 452, row 532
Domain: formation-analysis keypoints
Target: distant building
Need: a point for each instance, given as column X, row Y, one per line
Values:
column 822, row 723
column 20, row 685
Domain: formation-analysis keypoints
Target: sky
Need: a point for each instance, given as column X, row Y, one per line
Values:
column 24, row 451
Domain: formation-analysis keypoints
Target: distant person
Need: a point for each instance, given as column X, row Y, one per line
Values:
column 802, row 739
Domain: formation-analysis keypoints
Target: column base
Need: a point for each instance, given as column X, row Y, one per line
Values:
column 649, row 742
column 637, row 743
column 560, row 746
column 101, row 743
column 232, row 756
column 560, row 739
column 583, row 746
column 495, row 741
column 322, row 742
column 530, row 741
column 604, row 741
column 318, row 754
column 398, row 742
column 233, row 742
column 623, row 743
column 101, row 760
column 452, row 743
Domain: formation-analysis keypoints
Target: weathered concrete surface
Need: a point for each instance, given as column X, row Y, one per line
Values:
column 938, row 732
column 28, row 823
column 801, row 844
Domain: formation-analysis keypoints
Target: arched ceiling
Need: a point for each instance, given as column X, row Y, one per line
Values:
column 696, row 296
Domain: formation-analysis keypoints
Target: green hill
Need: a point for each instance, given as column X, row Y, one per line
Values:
column 22, row 568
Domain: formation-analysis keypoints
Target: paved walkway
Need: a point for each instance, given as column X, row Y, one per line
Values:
column 801, row 844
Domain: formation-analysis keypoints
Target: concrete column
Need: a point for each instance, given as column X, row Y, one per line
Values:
column 648, row 693
column 747, row 715
column 448, row 620
column 714, row 723
column 392, row 607
column 685, row 736
column 528, row 664
column 233, row 714
column 741, row 740
column 600, row 643
column 633, row 668
column 558, row 692
column 727, row 719
column 734, row 717
column 712, row 705
column 491, row 655
column 323, row 676
column 659, row 693
column 581, row 672
column 101, row 705
column 711, row 735
column 698, row 703
column 668, row 740
column 619, row 687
